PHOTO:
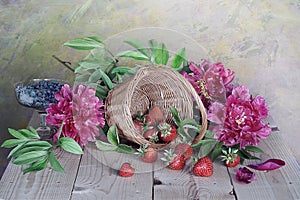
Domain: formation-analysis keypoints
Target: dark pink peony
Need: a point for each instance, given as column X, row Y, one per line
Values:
column 240, row 120
column 81, row 111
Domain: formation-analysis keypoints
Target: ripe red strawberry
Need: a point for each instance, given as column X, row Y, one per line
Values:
column 203, row 167
column 147, row 153
column 156, row 114
column 175, row 162
column 230, row 157
column 151, row 135
column 126, row 170
column 139, row 126
column 167, row 132
column 149, row 122
column 185, row 149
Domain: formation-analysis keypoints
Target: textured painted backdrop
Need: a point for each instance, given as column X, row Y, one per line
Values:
column 259, row 40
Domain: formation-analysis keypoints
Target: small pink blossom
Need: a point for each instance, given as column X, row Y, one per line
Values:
column 80, row 110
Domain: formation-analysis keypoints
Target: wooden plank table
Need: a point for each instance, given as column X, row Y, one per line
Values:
column 94, row 176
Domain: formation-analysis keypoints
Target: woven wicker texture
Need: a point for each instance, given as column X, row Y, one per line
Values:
column 151, row 85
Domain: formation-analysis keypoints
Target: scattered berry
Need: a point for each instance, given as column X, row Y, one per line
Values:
column 156, row 114
column 203, row 167
column 175, row 162
column 230, row 157
column 147, row 153
column 167, row 132
column 126, row 170
column 185, row 149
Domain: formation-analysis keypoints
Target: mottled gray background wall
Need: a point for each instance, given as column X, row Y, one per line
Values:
column 260, row 40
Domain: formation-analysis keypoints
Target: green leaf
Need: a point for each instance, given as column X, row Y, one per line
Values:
column 217, row 151
column 207, row 148
column 38, row 143
column 87, row 43
column 101, row 91
column 122, row 70
column 29, row 157
column 31, row 133
column 139, row 46
column 132, row 54
column 123, row 148
column 178, row 59
column 202, row 142
column 82, row 78
column 16, row 134
column 162, row 54
column 105, row 146
column 30, row 149
column 246, row 155
column 70, row 145
column 254, row 149
column 209, row 134
column 95, row 76
column 37, row 166
column 153, row 48
column 190, row 123
column 112, row 135
column 60, row 129
column 12, row 142
column 107, row 80
column 55, row 165
column 15, row 150
column 175, row 115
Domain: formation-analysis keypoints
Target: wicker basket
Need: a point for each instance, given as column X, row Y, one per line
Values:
column 151, row 85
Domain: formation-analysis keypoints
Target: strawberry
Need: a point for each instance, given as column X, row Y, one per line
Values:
column 149, row 121
column 151, row 135
column 230, row 157
column 156, row 114
column 203, row 167
column 139, row 126
column 175, row 162
column 147, row 153
column 167, row 132
column 185, row 149
column 126, row 170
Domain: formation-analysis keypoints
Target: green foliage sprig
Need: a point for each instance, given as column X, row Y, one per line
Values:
column 33, row 153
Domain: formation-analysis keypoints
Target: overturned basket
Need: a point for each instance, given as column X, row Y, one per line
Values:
column 151, row 85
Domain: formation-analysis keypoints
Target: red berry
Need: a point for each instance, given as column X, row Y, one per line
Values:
column 139, row 126
column 148, row 154
column 167, row 132
column 126, row 170
column 233, row 162
column 203, row 167
column 185, row 149
column 151, row 135
column 230, row 157
column 177, row 163
column 156, row 114
column 149, row 122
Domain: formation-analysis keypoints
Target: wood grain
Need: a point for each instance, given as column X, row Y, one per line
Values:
column 283, row 183
column 96, row 180
column 46, row 184
column 184, row 185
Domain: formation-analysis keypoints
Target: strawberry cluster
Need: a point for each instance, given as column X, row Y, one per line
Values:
column 154, row 127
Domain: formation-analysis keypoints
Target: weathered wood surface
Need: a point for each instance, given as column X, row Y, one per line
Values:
column 94, row 175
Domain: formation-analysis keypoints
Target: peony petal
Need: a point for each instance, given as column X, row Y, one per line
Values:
column 244, row 175
column 270, row 164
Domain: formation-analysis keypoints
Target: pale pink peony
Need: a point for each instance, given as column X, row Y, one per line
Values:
column 211, row 81
column 81, row 111
column 243, row 122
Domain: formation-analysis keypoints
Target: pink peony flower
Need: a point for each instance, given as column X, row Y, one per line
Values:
column 240, row 120
column 211, row 81
column 81, row 111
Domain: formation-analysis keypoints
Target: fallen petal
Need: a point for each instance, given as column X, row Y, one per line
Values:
column 268, row 165
column 245, row 175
